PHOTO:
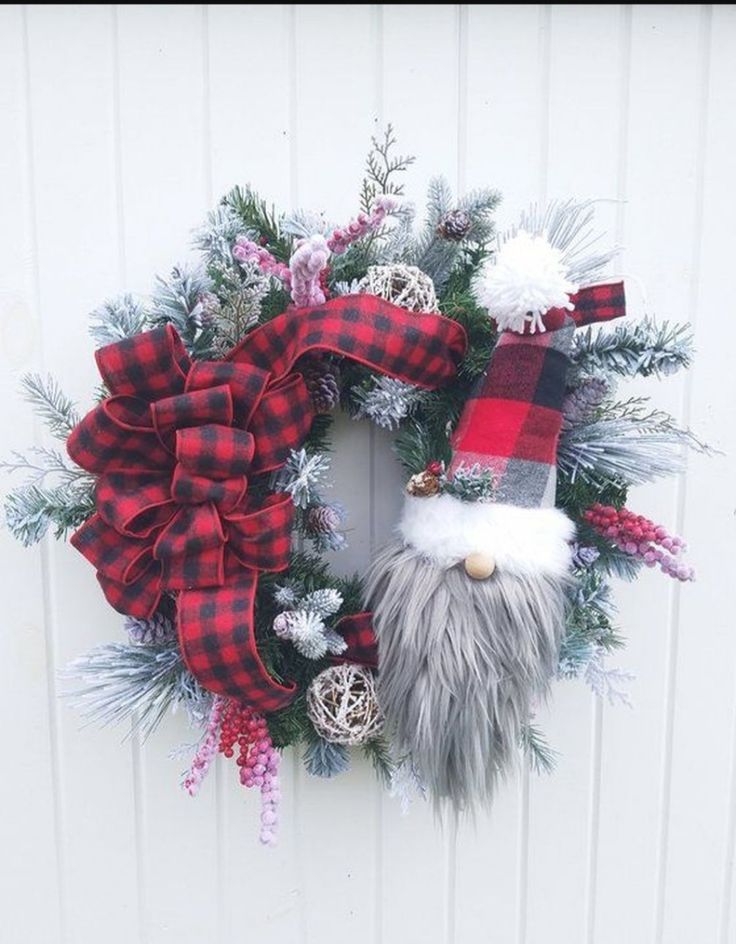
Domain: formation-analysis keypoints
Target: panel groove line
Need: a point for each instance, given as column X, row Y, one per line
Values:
column 599, row 708
column 49, row 629
column 137, row 759
column 704, row 43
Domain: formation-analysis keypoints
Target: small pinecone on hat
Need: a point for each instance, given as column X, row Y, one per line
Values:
column 423, row 484
column 323, row 519
column 323, row 383
column 454, row 225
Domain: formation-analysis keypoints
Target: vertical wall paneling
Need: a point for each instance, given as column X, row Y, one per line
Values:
column 28, row 694
column 70, row 148
column 700, row 804
column 122, row 125
column 578, row 40
column 633, row 807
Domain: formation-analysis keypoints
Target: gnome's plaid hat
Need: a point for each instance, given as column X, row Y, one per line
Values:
column 511, row 425
column 511, row 422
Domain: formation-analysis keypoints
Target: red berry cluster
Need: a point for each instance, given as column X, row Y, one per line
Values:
column 257, row 759
column 241, row 726
column 638, row 536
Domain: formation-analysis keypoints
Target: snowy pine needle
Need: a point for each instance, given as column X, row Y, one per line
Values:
column 32, row 509
column 471, row 483
column 57, row 411
column 641, row 348
column 626, row 445
column 568, row 225
column 388, row 401
column 117, row 319
column 121, row 682
column 302, row 475
column 324, row 602
column 325, row 759
column 217, row 237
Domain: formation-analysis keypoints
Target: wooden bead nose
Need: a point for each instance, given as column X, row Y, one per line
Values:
column 479, row 566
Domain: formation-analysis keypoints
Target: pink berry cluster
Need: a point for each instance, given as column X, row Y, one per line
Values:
column 641, row 538
column 364, row 223
column 207, row 750
column 245, row 250
column 307, row 263
column 257, row 759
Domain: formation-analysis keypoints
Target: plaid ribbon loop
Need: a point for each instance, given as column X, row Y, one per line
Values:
column 174, row 446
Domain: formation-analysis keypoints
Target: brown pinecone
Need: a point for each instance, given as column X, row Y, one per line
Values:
column 323, row 383
column 423, row 484
column 323, row 519
column 454, row 226
column 154, row 631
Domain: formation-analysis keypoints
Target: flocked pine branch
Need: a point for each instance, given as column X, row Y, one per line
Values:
column 301, row 224
column 121, row 682
column 589, row 624
column 436, row 255
column 626, row 444
column 388, row 401
column 631, row 349
column 217, row 237
column 57, row 411
column 568, row 225
column 117, row 319
column 471, row 483
column 31, row 510
column 302, row 475
column 325, row 759
column 180, row 301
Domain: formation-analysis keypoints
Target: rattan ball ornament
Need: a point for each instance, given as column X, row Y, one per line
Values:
column 342, row 705
column 403, row 285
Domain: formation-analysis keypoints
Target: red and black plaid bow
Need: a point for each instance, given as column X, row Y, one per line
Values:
column 173, row 447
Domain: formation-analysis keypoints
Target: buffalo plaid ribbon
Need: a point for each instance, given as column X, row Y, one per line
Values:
column 174, row 445
column 512, row 421
column 362, row 645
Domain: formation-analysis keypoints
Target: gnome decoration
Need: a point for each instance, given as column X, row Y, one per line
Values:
column 469, row 604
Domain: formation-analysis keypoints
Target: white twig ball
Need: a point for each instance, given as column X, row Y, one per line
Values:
column 342, row 705
column 403, row 285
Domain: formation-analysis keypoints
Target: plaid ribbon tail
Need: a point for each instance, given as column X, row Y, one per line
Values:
column 218, row 643
column 362, row 645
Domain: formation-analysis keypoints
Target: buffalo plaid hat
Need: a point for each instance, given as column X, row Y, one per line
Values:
column 511, row 422
column 510, row 426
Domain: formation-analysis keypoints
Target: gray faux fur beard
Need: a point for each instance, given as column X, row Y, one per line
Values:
column 461, row 664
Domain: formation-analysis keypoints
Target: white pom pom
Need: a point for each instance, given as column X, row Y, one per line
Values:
column 525, row 280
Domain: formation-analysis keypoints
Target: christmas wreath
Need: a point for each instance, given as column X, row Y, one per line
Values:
column 207, row 452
